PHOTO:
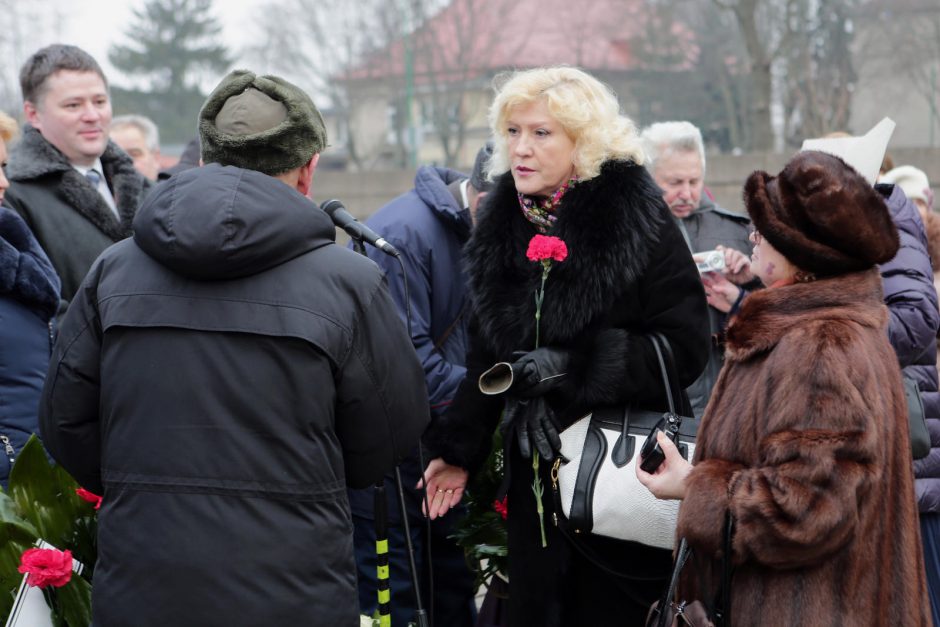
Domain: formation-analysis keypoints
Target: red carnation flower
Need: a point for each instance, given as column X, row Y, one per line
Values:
column 91, row 497
column 46, row 567
column 501, row 508
column 544, row 247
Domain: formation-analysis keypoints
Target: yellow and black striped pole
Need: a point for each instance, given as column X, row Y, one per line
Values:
column 381, row 556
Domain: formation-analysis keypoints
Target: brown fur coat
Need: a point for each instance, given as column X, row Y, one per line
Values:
column 806, row 442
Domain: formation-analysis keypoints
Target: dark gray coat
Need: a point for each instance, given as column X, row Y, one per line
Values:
column 71, row 220
column 223, row 377
column 707, row 227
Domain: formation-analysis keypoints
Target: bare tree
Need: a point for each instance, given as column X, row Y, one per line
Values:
column 314, row 41
column 800, row 58
column 24, row 24
column 902, row 38
column 692, row 67
column 451, row 55
column 763, row 45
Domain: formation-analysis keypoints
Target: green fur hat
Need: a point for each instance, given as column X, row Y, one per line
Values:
column 260, row 123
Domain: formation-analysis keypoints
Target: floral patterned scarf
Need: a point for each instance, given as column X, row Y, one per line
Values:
column 541, row 211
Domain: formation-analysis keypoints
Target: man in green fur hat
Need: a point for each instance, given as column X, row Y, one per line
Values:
column 223, row 376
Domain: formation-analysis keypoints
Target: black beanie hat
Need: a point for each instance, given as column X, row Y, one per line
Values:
column 822, row 215
column 270, row 125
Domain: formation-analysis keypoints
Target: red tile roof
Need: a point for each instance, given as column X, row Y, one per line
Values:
column 473, row 38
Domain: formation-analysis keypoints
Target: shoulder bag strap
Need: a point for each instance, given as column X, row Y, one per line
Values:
column 453, row 325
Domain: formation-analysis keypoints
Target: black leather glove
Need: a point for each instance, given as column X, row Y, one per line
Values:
column 536, row 372
column 534, row 423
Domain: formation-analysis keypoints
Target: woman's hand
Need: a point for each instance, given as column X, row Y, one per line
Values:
column 445, row 485
column 668, row 482
column 737, row 265
column 719, row 291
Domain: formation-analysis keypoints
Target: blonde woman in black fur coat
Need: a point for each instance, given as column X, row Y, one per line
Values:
column 567, row 164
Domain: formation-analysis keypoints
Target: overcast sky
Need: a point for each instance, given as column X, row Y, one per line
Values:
column 96, row 25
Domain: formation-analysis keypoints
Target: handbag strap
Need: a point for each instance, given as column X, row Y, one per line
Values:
column 682, row 557
column 655, row 340
column 722, row 613
column 670, row 376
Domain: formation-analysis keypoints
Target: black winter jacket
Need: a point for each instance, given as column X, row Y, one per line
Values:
column 223, row 376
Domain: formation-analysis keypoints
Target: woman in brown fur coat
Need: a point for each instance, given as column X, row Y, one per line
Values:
column 805, row 441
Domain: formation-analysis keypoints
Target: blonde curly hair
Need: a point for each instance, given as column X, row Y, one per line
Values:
column 586, row 108
column 8, row 127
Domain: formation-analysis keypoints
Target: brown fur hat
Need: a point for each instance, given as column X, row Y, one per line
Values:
column 822, row 215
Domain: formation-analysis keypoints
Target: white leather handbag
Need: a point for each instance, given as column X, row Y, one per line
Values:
column 597, row 489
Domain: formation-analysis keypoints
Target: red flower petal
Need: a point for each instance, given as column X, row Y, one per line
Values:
column 542, row 247
column 46, row 567
column 91, row 497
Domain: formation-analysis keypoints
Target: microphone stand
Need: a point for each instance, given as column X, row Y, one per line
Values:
column 381, row 533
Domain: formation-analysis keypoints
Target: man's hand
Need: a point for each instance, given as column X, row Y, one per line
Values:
column 737, row 265
column 445, row 486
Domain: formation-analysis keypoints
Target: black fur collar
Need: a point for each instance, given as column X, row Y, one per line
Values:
column 33, row 157
column 609, row 223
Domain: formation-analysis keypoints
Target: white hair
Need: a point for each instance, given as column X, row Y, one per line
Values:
column 664, row 138
column 143, row 124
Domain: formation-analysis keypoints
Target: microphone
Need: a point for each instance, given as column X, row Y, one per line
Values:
column 356, row 229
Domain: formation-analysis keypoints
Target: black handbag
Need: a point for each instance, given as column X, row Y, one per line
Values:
column 920, row 436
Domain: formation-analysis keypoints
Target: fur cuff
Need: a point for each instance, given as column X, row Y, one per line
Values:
column 459, row 442
column 707, row 501
column 603, row 369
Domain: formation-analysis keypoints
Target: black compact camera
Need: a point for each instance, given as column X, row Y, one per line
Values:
column 652, row 452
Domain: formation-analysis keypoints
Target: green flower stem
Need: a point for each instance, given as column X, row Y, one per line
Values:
column 546, row 268
column 537, row 490
column 537, row 481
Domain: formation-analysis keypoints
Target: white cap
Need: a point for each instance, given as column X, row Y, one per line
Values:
column 913, row 181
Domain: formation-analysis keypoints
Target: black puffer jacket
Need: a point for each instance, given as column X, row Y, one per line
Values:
column 224, row 376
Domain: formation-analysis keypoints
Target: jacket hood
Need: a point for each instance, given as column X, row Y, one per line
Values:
column 902, row 210
column 221, row 222
column 431, row 187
